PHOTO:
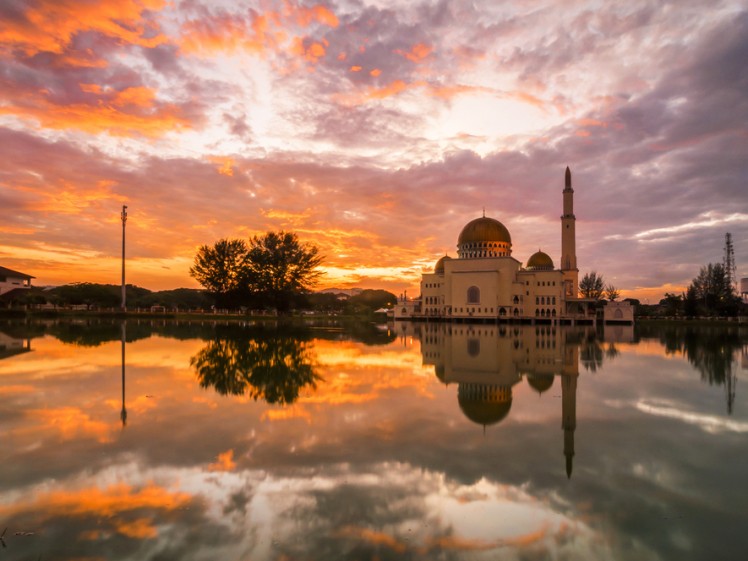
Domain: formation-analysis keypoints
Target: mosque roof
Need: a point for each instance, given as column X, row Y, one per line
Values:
column 484, row 412
column 484, row 229
column 540, row 382
column 540, row 260
column 439, row 267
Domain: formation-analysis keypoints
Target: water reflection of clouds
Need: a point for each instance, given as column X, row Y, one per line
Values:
column 708, row 423
column 351, row 477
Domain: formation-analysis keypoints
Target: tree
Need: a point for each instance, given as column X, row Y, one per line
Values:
column 713, row 289
column 221, row 270
column 279, row 268
column 612, row 293
column 592, row 285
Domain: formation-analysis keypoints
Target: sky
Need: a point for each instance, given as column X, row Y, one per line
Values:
column 373, row 129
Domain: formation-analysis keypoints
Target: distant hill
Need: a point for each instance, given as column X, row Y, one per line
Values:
column 346, row 291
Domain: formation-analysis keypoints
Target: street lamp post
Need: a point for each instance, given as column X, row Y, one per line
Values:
column 124, row 220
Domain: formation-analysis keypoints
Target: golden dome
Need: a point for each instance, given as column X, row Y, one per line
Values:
column 540, row 261
column 484, row 404
column 484, row 230
column 439, row 267
column 540, row 382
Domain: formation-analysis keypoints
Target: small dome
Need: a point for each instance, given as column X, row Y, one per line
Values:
column 540, row 261
column 540, row 382
column 439, row 267
column 484, row 404
column 484, row 230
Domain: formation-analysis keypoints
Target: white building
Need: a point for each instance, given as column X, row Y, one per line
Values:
column 486, row 283
column 10, row 280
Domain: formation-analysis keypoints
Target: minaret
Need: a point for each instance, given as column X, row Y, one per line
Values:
column 569, row 241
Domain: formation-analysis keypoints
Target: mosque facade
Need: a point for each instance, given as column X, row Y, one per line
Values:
column 486, row 283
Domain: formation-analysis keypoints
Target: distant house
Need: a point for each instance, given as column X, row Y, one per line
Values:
column 11, row 280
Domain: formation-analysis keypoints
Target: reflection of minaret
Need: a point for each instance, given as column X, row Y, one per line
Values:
column 569, row 376
column 569, row 416
column 123, row 413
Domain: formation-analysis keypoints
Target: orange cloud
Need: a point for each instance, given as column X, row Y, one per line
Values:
column 225, row 165
column 224, row 462
column 70, row 423
column 260, row 33
column 418, row 53
column 130, row 111
column 50, row 25
column 321, row 14
column 110, row 504
column 355, row 69
column 376, row 72
column 373, row 537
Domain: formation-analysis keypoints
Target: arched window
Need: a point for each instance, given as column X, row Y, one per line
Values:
column 618, row 314
column 516, row 299
column 553, row 313
column 554, row 300
column 516, row 312
column 502, row 312
column 537, row 300
column 473, row 295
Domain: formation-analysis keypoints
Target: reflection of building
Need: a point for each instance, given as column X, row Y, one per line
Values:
column 487, row 361
column 486, row 283
column 744, row 289
column 11, row 346
column 11, row 280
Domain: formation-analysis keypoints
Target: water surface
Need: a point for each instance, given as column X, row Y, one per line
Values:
column 202, row 441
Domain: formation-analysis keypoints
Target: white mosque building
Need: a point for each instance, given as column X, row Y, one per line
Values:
column 486, row 283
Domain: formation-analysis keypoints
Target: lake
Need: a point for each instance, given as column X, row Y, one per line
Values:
column 204, row 441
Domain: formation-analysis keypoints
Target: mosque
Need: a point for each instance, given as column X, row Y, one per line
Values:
column 485, row 283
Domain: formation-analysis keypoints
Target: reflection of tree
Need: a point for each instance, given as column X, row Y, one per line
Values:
column 271, row 366
column 591, row 353
column 711, row 350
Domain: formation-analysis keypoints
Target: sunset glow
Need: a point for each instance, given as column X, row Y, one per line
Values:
column 374, row 130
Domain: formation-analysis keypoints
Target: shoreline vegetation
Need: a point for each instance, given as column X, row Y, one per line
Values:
column 258, row 315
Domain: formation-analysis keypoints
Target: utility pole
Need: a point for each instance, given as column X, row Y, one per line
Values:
column 124, row 220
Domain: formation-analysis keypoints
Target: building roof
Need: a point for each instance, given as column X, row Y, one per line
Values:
column 5, row 272
column 439, row 267
column 541, row 261
column 484, row 229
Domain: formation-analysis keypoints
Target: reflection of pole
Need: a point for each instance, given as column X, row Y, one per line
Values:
column 124, row 219
column 731, row 381
column 123, row 413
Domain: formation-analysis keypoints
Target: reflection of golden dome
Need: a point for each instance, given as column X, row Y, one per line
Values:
column 540, row 382
column 484, row 230
column 484, row 404
column 540, row 261
column 439, row 267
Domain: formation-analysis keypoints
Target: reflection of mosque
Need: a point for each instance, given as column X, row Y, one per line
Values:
column 487, row 361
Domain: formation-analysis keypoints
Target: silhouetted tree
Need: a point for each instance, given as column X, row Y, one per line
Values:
column 714, row 291
column 592, row 285
column 221, row 269
column 279, row 268
column 612, row 293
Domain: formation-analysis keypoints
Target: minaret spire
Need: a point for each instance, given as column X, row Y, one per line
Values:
column 568, row 240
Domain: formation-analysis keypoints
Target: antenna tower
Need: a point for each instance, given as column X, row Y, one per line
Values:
column 729, row 261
